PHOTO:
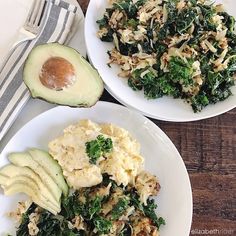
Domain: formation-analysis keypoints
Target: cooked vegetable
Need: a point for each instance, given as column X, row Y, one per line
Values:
column 102, row 225
column 102, row 209
column 47, row 224
column 98, row 147
column 119, row 209
column 148, row 210
column 179, row 48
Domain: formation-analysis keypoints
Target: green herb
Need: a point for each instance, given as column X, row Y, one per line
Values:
column 119, row 208
column 185, row 20
column 181, row 72
column 94, row 206
column 129, row 7
column 102, row 225
column 103, row 22
column 71, row 206
column 148, row 210
column 132, row 23
column 98, row 147
column 228, row 20
column 199, row 102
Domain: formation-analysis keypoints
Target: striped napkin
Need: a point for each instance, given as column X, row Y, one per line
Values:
column 13, row 92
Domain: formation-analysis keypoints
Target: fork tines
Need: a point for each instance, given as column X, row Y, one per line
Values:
column 35, row 15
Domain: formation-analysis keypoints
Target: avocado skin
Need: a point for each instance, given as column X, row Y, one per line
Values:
column 52, row 100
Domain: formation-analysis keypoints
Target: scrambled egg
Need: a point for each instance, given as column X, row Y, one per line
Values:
column 123, row 163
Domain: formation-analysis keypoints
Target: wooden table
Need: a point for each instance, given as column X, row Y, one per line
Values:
column 208, row 149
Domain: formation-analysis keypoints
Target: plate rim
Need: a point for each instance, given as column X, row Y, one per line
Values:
column 119, row 98
column 162, row 134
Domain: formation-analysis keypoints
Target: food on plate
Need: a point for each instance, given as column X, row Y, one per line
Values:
column 110, row 192
column 104, row 209
column 38, row 175
column 184, row 49
column 59, row 74
column 17, row 179
column 83, row 161
column 43, row 164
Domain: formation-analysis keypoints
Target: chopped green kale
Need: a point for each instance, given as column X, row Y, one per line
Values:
column 98, row 147
column 148, row 209
column 102, row 225
column 119, row 209
column 94, row 206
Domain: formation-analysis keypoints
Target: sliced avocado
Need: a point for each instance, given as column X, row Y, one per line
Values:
column 25, row 160
column 22, row 187
column 59, row 74
column 51, row 167
column 15, row 173
column 37, row 191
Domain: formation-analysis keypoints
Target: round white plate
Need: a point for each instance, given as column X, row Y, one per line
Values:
column 165, row 108
column 161, row 158
column 19, row 9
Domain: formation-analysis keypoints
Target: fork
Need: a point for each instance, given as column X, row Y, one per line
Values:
column 31, row 28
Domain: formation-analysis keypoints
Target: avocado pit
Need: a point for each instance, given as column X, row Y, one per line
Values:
column 57, row 73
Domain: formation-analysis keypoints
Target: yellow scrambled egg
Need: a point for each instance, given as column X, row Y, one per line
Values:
column 123, row 163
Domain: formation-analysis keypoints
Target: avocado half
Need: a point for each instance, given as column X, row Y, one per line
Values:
column 59, row 74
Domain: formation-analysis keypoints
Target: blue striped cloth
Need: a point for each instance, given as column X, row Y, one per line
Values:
column 13, row 92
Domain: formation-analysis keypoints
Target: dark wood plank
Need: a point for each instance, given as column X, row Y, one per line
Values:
column 208, row 148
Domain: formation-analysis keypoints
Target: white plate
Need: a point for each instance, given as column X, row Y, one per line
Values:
column 165, row 108
column 161, row 158
column 19, row 9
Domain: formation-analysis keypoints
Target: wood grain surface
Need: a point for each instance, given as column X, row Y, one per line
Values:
column 208, row 148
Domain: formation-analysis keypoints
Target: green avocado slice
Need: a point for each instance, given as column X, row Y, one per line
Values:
column 23, row 187
column 48, row 205
column 25, row 160
column 51, row 167
column 59, row 74
column 12, row 174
